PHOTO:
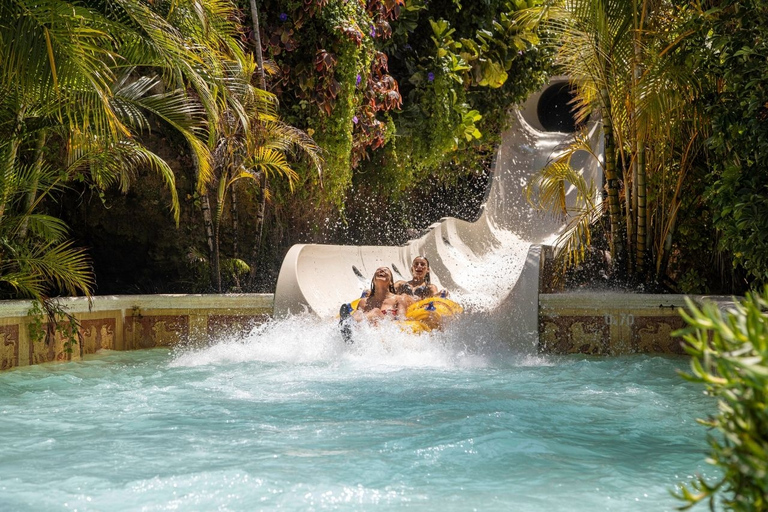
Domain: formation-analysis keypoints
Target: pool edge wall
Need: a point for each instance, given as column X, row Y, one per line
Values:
column 129, row 322
column 614, row 323
column 596, row 323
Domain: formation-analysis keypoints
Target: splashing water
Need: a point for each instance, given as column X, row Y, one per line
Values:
column 487, row 279
column 290, row 417
column 384, row 346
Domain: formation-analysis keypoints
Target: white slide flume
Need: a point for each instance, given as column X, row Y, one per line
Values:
column 490, row 265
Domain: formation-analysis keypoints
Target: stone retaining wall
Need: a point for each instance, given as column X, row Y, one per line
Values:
column 597, row 323
column 610, row 323
column 129, row 322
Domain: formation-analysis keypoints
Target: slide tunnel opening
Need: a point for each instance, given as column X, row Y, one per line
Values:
column 555, row 108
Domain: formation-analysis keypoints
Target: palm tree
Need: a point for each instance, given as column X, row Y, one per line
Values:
column 253, row 149
column 79, row 80
column 547, row 191
column 36, row 259
column 619, row 54
column 55, row 68
column 593, row 49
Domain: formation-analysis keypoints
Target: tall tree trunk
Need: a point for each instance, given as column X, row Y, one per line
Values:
column 264, row 184
column 210, row 233
column 217, row 257
column 630, row 204
column 205, row 206
column 663, row 258
column 640, row 176
column 235, row 221
column 257, row 41
column 642, row 228
column 614, row 208
column 259, row 230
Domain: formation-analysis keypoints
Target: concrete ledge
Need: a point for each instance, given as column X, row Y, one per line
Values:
column 610, row 323
column 599, row 323
column 167, row 301
column 127, row 322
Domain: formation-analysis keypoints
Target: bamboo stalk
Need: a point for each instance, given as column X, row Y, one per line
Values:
column 614, row 209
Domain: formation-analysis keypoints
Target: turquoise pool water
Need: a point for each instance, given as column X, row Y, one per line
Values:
column 290, row 418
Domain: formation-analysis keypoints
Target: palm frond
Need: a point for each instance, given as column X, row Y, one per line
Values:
column 186, row 117
column 69, row 268
column 45, row 227
column 26, row 285
column 283, row 137
column 572, row 244
column 272, row 163
column 547, row 190
column 36, row 270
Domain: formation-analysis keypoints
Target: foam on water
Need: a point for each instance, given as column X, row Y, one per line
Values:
column 306, row 339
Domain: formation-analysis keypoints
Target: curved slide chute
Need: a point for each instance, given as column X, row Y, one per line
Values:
column 490, row 265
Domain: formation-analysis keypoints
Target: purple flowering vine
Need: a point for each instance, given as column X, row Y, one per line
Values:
column 283, row 16
column 358, row 80
column 431, row 76
column 355, row 119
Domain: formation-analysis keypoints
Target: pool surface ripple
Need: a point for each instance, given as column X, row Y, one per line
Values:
column 291, row 418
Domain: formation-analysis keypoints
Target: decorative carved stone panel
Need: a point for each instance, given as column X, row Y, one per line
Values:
column 574, row 335
column 156, row 331
column 98, row 334
column 9, row 346
column 46, row 350
column 653, row 334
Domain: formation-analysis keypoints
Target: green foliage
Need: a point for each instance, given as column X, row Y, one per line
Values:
column 334, row 132
column 740, row 198
column 735, row 36
column 397, row 88
column 234, row 270
column 639, row 65
column 253, row 148
column 81, row 82
column 50, row 318
column 331, row 83
column 36, row 259
column 697, row 265
column 730, row 358
column 458, row 94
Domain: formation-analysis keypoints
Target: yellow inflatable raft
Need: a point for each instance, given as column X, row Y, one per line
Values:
column 426, row 314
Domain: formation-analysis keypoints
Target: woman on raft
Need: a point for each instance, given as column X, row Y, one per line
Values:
column 382, row 301
column 420, row 286
column 394, row 300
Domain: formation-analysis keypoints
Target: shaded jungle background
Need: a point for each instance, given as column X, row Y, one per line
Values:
column 182, row 168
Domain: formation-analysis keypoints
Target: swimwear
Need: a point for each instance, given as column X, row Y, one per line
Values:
column 420, row 291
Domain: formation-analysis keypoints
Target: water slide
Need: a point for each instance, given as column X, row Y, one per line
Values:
column 490, row 265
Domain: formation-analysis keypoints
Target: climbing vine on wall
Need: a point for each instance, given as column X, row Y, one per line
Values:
column 389, row 88
column 334, row 79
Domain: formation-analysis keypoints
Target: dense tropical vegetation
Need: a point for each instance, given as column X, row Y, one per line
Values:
column 729, row 357
column 181, row 164
column 681, row 99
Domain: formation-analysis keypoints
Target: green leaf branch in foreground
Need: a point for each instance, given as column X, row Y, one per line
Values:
column 730, row 357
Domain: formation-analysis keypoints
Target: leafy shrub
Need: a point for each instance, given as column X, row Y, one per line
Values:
column 730, row 357
column 736, row 36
